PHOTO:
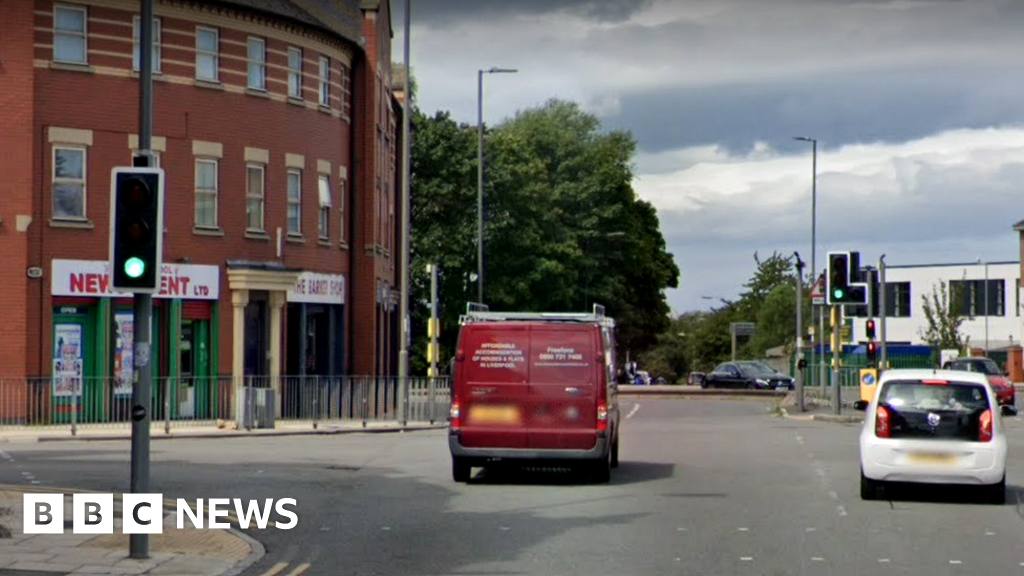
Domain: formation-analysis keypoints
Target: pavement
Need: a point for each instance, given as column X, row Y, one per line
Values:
column 87, row 432
column 186, row 552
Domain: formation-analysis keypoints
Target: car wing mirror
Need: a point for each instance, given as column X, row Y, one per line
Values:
column 1008, row 410
column 861, row 405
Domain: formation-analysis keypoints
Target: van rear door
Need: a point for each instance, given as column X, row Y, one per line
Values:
column 565, row 366
column 493, row 386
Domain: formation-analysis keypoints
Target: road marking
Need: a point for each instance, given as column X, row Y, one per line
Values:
column 385, row 528
column 276, row 568
column 833, row 495
column 504, row 528
column 809, row 529
column 299, row 569
column 817, row 559
column 633, row 411
column 746, row 558
column 883, row 560
column 955, row 562
column 842, row 511
column 680, row 529
column 990, row 533
column 743, row 529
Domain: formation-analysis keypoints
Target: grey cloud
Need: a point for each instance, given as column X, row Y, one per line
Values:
column 447, row 12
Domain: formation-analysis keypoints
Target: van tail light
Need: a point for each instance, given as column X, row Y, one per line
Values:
column 602, row 416
column 882, row 422
column 455, row 416
column 985, row 432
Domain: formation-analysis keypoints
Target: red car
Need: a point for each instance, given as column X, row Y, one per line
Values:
column 997, row 378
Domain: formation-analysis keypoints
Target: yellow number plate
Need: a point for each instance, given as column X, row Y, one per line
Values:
column 932, row 458
column 494, row 415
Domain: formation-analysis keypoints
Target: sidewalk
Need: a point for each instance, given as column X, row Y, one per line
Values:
column 87, row 432
column 819, row 409
column 186, row 552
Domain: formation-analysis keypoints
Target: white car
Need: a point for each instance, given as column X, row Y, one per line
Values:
column 936, row 427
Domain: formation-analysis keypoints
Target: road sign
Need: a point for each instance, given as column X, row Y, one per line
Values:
column 742, row 328
column 818, row 292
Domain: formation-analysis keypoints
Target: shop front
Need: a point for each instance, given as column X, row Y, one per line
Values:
column 315, row 346
column 93, row 343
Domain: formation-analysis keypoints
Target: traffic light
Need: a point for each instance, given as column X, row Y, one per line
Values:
column 842, row 281
column 872, row 350
column 869, row 329
column 136, row 229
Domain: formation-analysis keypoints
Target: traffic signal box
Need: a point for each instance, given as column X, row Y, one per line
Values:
column 136, row 229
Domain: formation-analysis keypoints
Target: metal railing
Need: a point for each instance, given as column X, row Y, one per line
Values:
column 219, row 401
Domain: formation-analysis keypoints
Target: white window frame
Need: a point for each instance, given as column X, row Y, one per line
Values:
column 54, row 180
column 324, row 74
column 136, row 45
column 250, row 196
column 324, row 214
column 295, row 74
column 215, row 54
column 84, row 34
column 215, row 192
column 257, row 64
column 341, row 210
column 294, row 201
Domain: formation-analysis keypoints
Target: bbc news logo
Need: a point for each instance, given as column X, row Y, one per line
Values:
column 144, row 513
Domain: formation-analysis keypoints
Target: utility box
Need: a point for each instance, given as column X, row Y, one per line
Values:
column 258, row 408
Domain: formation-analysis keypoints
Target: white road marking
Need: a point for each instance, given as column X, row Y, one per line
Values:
column 681, row 529
column 817, row 559
column 633, row 411
column 883, row 560
column 385, row 527
column 743, row 529
column 746, row 558
column 955, row 562
column 842, row 511
column 990, row 533
column 809, row 529
column 504, row 528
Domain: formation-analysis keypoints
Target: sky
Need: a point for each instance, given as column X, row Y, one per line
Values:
column 917, row 107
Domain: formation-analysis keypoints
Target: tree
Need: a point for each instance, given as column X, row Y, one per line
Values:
column 943, row 317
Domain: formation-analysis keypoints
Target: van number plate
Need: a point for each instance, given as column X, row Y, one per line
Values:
column 494, row 415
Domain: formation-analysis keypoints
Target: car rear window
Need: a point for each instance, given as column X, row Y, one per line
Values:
column 934, row 409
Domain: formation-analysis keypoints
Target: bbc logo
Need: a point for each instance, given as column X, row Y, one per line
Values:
column 94, row 514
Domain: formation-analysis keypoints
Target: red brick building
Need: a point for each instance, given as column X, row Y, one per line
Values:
column 275, row 124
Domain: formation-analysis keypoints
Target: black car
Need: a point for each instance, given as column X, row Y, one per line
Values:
column 747, row 374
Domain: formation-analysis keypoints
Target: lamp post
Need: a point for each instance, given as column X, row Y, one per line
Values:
column 403, row 347
column 814, row 245
column 480, row 175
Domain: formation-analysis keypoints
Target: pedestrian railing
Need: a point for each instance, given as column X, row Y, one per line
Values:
column 247, row 402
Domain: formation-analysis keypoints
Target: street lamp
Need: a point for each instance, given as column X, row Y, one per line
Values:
column 480, row 175
column 814, row 245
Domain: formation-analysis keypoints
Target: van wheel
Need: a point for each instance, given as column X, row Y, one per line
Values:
column 868, row 487
column 460, row 469
column 615, row 453
column 996, row 493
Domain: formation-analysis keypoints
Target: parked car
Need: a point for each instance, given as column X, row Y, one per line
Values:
column 643, row 378
column 748, row 374
column 532, row 387
column 997, row 378
column 936, row 427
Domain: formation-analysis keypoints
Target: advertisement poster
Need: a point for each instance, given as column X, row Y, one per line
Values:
column 67, row 360
column 123, row 345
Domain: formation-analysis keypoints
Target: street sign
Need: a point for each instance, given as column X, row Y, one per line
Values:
column 818, row 292
column 742, row 328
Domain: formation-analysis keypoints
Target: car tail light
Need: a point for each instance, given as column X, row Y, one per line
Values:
column 602, row 416
column 882, row 422
column 455, row 416
column 935, row 382
column 985, row 432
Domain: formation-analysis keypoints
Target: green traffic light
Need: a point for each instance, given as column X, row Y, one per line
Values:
column 134, row 267
column 838, row 293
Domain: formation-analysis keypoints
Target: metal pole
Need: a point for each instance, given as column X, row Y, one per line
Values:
column 836, row 358
column 882, row 312
column 480, row 186
column 733, row 331
column 821, row 342
column 986, row 308
column 435, row 328
column 814, row 231
column 142, row 396
column 799, row 332
column 403, row 351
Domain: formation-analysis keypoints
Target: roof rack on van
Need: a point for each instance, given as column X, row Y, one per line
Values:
column 480, row 313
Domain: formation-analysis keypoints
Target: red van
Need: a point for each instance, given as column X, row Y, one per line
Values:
column 535, row 387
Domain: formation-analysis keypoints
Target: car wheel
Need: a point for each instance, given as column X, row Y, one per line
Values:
column 868, row 487
column 751, row 386
column 997, row 492
column 460, row 469
column 615, row 453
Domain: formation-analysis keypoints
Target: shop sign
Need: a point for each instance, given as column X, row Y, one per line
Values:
column 91, row 278
column 314, row 288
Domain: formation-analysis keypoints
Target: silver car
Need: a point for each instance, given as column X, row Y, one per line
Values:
column 933, row 426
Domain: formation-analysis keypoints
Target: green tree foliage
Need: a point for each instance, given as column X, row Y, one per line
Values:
column 563, row 226
column 943, row 317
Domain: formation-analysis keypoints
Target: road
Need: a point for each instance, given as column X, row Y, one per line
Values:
column 708, row 487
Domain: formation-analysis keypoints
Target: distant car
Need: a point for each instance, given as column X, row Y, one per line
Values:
column 997, row 378
column 935, row 427
column 751, row 375
column 643, row 378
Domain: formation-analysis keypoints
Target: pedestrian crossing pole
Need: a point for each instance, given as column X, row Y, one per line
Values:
column 836, row 358
column 434, row 327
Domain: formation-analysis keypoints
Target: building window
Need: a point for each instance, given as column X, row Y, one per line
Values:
column 206, row 193
column 325, row 205
column 207, row 54
column 68, row 183
column 294, row 202
column 295, row 73
column 325, row 81
column 973, row 299
column 257, row 64
column 254, row 188
column 137, row 47
column 69, row 34
column 897, row 297
column 341, row 211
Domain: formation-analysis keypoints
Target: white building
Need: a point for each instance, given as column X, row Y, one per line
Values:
column 991, row 322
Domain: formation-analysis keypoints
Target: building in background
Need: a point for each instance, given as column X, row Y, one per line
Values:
column 275, row 123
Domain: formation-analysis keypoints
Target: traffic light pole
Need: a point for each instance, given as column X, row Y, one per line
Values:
column 142, row 394
column 799, row 332
column 836, row 358
column 884, row 357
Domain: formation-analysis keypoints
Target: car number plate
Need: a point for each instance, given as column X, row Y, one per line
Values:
column 494, row 415
column 932, row 458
